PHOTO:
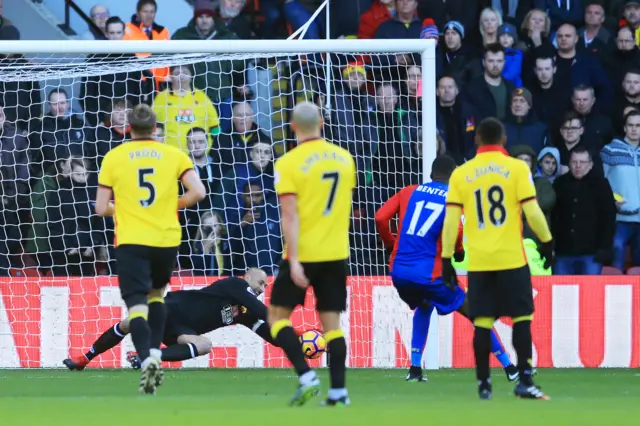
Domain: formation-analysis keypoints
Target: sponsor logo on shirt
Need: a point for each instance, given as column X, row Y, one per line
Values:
column 185, row 116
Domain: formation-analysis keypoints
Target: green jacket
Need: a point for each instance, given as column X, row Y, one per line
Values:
column 38, row 236
column 216, row 78
column 545, row 193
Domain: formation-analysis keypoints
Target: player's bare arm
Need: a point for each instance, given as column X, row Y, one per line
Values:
column 290, row 228
column 195, row 190
column 104, row 205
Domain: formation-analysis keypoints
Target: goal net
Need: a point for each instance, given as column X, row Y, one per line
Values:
column 63, row 109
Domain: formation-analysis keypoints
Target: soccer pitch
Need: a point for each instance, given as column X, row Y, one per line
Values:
column 259, row 397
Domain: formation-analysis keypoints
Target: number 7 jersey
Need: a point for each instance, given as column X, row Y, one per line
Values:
column 322, row 177
column 143, row 175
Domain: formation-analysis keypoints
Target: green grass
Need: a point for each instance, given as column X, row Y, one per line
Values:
column 259, row 397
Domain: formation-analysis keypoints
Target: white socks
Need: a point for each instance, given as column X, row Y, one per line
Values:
column 336, row 394
column 308, row 378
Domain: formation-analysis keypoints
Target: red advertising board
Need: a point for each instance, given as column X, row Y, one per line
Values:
column 579, row 322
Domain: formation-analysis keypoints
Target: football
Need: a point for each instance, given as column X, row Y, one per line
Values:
column 313, row 344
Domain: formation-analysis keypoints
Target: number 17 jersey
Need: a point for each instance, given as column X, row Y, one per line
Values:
column 322, row 177
column 143, row 175
column 418, row 257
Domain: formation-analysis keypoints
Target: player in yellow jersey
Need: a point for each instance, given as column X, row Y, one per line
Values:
column 315, row 182
column 141, row 177
column 492, row 190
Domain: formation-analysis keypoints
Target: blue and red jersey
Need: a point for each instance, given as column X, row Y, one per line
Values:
column 395, row 206
column 419, row 246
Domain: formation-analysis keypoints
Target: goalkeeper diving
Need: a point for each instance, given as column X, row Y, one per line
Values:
column 192, row 313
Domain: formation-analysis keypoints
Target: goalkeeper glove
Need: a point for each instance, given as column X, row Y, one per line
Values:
column 449, row 275
column 546, row 253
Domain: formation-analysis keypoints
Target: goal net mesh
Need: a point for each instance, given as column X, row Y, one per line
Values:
column 62, row 113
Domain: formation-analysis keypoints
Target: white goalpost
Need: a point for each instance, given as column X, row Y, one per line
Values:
column 64, row 106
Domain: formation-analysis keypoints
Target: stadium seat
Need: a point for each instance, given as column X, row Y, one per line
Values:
column 635, row 270
column 610, row 270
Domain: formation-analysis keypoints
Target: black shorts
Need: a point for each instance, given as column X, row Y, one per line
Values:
column 495, row 294
column 329, row 282
column 142, row 268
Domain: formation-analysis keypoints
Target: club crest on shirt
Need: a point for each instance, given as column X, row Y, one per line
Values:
column 185, row 116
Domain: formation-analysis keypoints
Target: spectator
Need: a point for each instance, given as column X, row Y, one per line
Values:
column 430, row 31
column 625, row 57
column 257, row 240
column 536, row 32
column 490, row 21
column 571, row 138
column 545, row 194
column 99, row 14
column 20, row 99
column 508, row 37
column 98, row 92
column 231, row 147
column 233, row 18
column 404, row 24
column 158, row 133
column 458, row 60
column 549, row 163
column 395, row 164
column 562, row 11
column 299, row 12
column 621, row 161
column 259, row 168
column 594, row 37
column 217, row 78
column 550, row 100
column 512, row 11
column 576, row 69
column 630, row 97
column 491, row 93
column 14, row 172
column 598, row 129
column 631, row 16
column 456, row 120
column 210, row 250
column 144, row 27
column 183, row 107
column 379, row 12
column 521, row 125
column 58, row 127
column 583, row 220
column 464, row 11
column 354, row 116
column 115, row 130
column 37, row 243
column 412, row 99
column 73, row 226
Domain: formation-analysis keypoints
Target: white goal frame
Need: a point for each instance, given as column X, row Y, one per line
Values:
column 280, row 48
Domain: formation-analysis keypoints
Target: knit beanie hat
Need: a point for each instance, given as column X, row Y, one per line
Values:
column 203, row 7
column 354, row 66
column 456, row 26
column 525, row 93
column 508, row 29
column 429, row 30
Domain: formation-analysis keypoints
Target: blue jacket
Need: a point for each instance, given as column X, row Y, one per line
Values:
column 574, row 14
column 586, row 70
column 621, row 163
column 513, row 66
column 258, row 244
column 529, row 132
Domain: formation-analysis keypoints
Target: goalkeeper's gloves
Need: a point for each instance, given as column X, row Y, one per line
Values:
column 449, row 275
column 546, row 253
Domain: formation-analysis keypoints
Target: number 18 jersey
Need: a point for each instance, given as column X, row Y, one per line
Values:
column 143, row 175
column 322, row 177
column 490, row 189
column 418, row 257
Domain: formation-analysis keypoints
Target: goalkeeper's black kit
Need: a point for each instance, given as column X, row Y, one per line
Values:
column 226, row 302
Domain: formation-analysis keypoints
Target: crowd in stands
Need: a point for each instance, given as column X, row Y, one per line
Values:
column 562, row 75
